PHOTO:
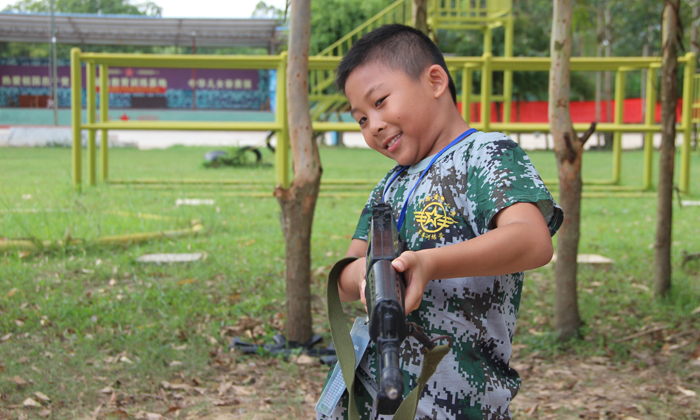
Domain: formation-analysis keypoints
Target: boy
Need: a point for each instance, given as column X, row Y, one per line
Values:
column 471, row 208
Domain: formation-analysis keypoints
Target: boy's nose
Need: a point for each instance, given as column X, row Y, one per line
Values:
column 377, row 126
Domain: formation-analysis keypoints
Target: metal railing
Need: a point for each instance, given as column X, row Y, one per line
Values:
column 92, row 60
column 463, row 67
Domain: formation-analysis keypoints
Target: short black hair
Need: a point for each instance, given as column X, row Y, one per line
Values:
column 399, row 47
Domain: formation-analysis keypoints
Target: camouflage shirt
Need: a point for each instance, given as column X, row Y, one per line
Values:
column 457, row 201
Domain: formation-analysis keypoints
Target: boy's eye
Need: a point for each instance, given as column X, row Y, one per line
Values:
column 362, row 120
column 379, row 102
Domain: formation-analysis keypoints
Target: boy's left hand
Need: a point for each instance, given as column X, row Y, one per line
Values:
column 414, row 270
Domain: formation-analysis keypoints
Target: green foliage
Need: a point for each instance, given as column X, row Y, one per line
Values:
column 263, row 10
column 332, row 19
column 103, row 7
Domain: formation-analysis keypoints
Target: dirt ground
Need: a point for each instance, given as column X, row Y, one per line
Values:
column 651, row 385
column 647, row 387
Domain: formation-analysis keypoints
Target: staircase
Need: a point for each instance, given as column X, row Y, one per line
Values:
column 441, row 14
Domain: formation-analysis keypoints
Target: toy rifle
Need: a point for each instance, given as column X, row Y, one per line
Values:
column 385, row 307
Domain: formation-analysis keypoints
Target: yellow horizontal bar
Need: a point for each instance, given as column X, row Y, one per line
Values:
column 330, row 63
column 579, row 127
column 577, row 63
column 184, row 125
column 335, row 126
column 203, row 61
column 150, row 181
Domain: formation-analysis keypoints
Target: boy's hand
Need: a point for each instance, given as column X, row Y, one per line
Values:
column 414, row 270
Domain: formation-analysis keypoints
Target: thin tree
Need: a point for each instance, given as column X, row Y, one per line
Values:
column 568, row 149
column 298, row 202
column 420, row 15
column 669, row 98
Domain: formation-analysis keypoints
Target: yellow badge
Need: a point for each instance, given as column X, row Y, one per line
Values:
column 435, row 216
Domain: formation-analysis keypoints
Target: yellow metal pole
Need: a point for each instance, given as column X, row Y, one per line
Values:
column 649, row 113
column 488, row 39
column 684, row 182
column 104, row 117
column 282, row 150
column 619, row 114
column 486, row 93
column 76, row 105
column 91, row 111
column 508, row 74
column 466, row 93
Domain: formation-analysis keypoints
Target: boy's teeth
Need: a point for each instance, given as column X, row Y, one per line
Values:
column 391, row 143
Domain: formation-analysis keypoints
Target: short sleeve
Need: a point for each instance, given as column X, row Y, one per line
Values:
column 501, row 174
column 362, row 229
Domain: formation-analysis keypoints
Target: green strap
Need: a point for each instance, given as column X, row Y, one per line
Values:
column 346, row 353
column 341, row 334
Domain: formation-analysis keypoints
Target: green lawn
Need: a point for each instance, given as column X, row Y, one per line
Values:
column 77, row 319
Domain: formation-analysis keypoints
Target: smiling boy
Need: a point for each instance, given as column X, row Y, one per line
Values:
column 470, row 206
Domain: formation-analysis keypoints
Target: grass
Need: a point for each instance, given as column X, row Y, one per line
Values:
column 77, row 319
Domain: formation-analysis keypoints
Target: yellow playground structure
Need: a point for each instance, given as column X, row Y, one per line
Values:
column 452, row 15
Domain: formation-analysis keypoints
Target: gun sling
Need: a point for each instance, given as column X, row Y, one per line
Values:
column 346, row 354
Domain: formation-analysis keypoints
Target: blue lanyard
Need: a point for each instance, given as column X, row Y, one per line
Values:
column 402, row 215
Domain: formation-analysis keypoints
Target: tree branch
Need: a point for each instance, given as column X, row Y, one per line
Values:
column 584, row 138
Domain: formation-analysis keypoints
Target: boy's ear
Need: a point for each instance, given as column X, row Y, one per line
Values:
column 438, row 79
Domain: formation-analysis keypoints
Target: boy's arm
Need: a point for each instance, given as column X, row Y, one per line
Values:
column 354, row 273
column 521, row 241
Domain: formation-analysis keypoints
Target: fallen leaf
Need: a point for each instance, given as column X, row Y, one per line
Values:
column 42, row 396
column 686, row 392
column 11, row 292
column 175, row 363
column 118, row 413
column 172, row 408
column 19, row 323
column 154, row 416
column 112, row 399
column 96, row 411
column 168, row 385
column 23, row 360
column 224, row 387
column 6, row 337
column 45, row 413
column 304, row 359
column 107, row 390
column 696, row 311
column 30, row 403
column 242, row 390
column 310, row 399
column 125, row 359
column 19, row 381
column 221, row 403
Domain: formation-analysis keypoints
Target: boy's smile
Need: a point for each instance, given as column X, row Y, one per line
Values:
column 398, row 115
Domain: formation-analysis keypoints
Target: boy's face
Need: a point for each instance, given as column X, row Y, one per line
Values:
column 393, row 111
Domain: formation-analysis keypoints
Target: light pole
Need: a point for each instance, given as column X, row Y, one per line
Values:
column 54, row 71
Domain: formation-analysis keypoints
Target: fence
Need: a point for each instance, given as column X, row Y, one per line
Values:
column 463, row 67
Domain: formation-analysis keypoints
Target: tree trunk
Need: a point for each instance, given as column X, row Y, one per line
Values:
column 299, row 201
column 598, row 75
column 420, row 16
column 569, row 151
column 667, row 151
column 695, row 47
